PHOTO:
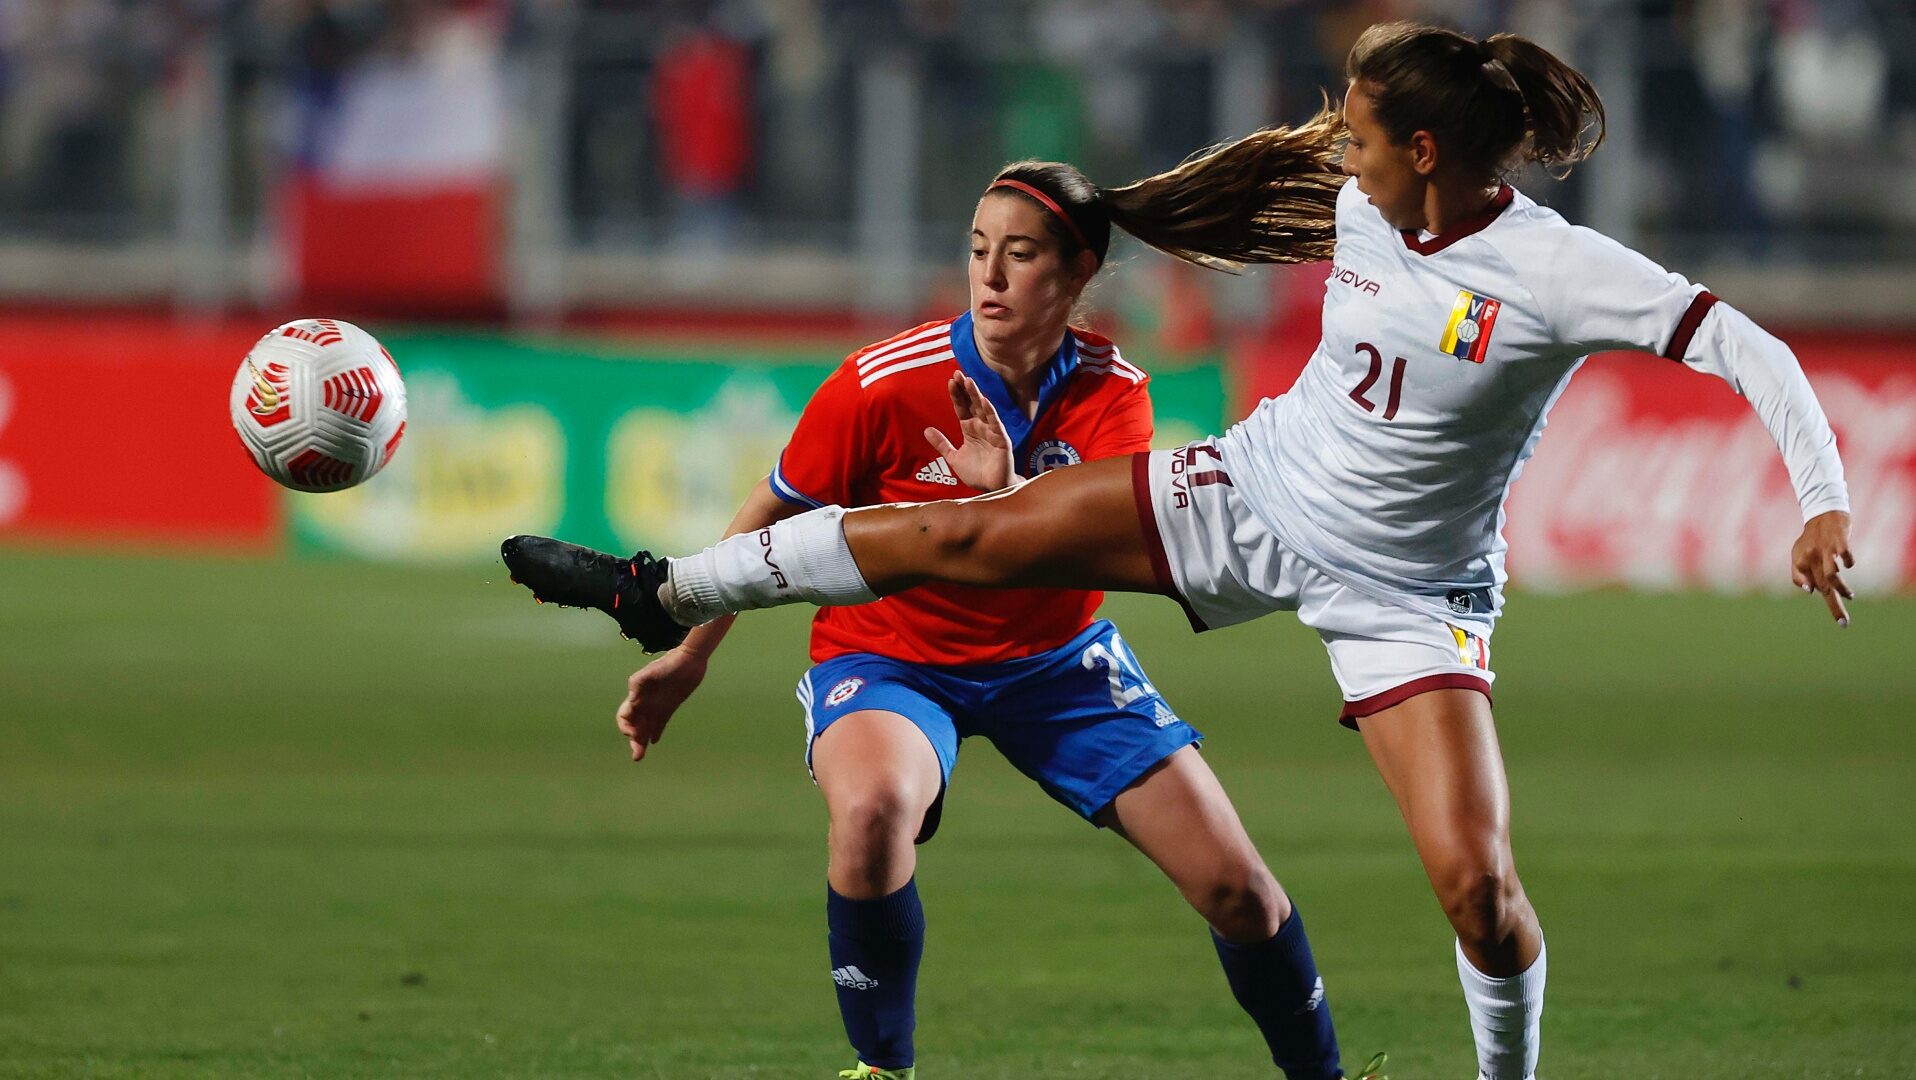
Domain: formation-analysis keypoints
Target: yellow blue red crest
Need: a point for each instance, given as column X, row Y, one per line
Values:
column 1472, row 317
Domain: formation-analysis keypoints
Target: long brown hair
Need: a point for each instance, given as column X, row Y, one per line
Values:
column 1490, row 105
column 1270, row 197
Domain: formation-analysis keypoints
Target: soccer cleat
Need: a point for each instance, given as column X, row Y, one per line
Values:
column 1373, row 1069
column 866, row 1072
column 574, row 576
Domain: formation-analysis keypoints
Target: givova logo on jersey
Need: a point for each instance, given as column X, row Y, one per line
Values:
column 1051, row 454
column 1472, row 317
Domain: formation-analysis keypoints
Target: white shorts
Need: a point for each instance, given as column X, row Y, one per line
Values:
column 1213, row 556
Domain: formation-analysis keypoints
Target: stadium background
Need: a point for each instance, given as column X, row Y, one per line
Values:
column 296, row 785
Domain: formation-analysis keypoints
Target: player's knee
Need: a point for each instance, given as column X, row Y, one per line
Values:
column 872, row 821
column 1482, row 898
column 1244, row 903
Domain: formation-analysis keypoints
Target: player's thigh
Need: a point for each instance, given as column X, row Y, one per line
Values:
column 1179, row 816
column 1076, row 527
column 880, row 741
column 874, row 756
column 1418, row 688
column 1438, row 754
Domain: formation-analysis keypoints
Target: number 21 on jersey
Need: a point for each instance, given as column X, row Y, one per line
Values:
column 1376, row 369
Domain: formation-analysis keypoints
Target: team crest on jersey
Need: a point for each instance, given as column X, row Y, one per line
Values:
column 843, row 691
column 1051, row 454
column 1472, row 317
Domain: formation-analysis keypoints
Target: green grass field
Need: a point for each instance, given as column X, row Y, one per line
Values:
column 284, row 819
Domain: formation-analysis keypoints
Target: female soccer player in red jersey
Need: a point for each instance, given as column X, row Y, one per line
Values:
column 897, row 683
column 1369, row 497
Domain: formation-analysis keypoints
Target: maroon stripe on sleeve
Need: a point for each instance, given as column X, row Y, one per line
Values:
column 1154, row 540
column 1397, row 695
column 1686, row 326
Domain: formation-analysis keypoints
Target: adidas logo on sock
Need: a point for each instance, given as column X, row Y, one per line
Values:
column 1317, row 998
column 851, row 978
column 938, row 473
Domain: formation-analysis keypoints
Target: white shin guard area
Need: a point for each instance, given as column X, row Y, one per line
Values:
column 1505, row 1018
column 802, row 559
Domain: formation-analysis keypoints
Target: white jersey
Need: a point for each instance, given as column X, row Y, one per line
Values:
column 1387, row 463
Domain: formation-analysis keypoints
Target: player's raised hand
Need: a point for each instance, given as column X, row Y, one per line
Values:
column 654, row 693
column 983, row 458
column 1820, row 556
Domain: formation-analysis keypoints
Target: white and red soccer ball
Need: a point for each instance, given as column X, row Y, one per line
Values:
column 319, row 404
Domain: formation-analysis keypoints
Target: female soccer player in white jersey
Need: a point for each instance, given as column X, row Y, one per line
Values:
column 1369, row 498
column 898, row 683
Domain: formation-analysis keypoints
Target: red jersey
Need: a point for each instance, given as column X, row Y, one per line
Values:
column 861, row 441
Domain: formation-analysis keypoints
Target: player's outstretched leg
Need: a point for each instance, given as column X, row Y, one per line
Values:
column 1073, row 528
column 1438, row 755
column 1179, row 816
column 574, row 576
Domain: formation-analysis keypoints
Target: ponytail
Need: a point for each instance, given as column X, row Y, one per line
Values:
column 1270, row 197
column 1490, row 105
column 1557, row 98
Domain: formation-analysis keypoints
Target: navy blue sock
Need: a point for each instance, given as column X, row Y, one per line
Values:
column 875, row 948
column 1277, row 983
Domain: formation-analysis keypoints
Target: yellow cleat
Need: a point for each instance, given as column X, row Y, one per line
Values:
column 1372, row 1070
column 866, row 1072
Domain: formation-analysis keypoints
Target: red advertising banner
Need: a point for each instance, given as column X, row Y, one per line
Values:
column 1654, row 476
column 116, row 428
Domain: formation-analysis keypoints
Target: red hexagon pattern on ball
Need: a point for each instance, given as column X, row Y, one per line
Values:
column 392, row 444
column 321, row 332
column 355, row 393
column 312, row 469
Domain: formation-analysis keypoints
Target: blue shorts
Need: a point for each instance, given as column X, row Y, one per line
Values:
column 1081, row 719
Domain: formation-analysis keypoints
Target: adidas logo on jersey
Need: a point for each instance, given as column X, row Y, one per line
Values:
column 938, row 473
column 851, row 978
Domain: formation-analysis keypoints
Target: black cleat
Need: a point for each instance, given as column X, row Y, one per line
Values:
column 574, row 576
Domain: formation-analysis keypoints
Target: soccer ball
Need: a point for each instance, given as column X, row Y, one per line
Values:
column 319, row 404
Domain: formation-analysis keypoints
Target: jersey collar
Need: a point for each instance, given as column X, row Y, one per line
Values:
column 965, row 348
column 1467, row 227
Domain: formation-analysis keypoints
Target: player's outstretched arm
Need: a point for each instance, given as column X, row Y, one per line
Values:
column 1729, row 345
column 983, row 457
column 655, row 691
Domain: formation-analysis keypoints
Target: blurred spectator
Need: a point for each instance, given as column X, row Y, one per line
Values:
column 715, row 123
column 62, row 136
column 701, row 102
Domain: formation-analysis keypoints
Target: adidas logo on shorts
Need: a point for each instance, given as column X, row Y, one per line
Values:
column 938, row 473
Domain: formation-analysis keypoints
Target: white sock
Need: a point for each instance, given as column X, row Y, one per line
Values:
column 802, row 559
column 1505, row 1016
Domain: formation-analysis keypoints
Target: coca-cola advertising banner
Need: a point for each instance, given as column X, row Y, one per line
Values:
column 1654, row 476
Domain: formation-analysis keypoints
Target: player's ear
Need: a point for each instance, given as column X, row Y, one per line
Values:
column 1084, row 266
column 1423, row 152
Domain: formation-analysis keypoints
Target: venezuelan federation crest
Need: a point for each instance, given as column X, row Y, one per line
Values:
column 1472, row 318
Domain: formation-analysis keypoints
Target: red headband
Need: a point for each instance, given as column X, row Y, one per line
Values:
column 1048, row 203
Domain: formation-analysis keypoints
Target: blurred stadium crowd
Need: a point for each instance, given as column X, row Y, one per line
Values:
column 1776, row 129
